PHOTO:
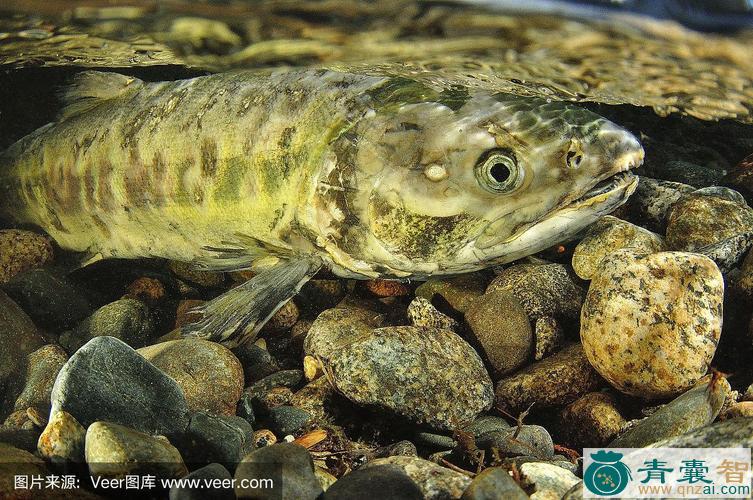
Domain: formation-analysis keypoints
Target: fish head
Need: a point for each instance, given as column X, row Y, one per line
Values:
column 444, row 188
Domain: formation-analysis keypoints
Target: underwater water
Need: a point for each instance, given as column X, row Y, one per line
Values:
column 327, row 248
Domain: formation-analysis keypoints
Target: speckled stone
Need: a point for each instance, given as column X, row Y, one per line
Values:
column 652, row 200
column 336, row 328
column 129, row 320
column 546, row 481
column 532, row 440
column 608, row 235
column 591, row 420
column 549, row 337
column 427, row 375
column 494, row 483
column 283, row 319
column 114, row 451
column 741, row 409
column 698, row 220
column 22, row 250
column 209, row 374
column 501, row 328
column 638, row 305
column 42, row 367
column 557, row 380
column 62, row 439
column 436, row 482
column 188, row 272
column 386, row 288
column 421, row 312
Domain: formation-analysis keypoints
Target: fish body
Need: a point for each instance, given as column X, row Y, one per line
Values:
column 371, row 176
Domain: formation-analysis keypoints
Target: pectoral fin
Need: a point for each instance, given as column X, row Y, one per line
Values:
column 237, row 316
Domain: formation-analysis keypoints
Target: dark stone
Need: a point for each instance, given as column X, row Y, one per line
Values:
column 257, row 362
column 52, row 301
column 215, row 438
column 285, row 378
column 402, row 448
column 492, row 484
column 23, row 439
column 435, row 441
column 487, row 423
column 126, row 319
column 389, row 480
column 531, row 440
column 245, row 409
column 689, row 173
column 286, row 460
column 284, row 420
column 215, row 473
column 109, row 381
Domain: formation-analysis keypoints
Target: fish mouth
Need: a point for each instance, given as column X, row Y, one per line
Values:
column 606, row 190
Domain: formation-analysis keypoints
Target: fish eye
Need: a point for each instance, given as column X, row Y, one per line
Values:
column 574, row 154
column 497, row 170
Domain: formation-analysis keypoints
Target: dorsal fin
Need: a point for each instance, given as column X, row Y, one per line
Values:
column 91, row 88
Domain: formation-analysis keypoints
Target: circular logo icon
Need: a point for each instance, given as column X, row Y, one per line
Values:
column 606, row 475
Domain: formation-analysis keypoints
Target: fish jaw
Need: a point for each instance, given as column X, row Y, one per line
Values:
column 557, row 227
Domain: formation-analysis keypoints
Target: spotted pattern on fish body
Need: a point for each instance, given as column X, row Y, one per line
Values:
column 371, row 176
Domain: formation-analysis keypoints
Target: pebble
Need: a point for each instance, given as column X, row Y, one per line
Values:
column 23, row 464
column 115, row 451
column 735, row 433
column 209, row 474
column 422, row 313
column 63, row 439
column 435, row 441
column 148, row 290
column 458, row 292
column 554, row 381
column 186, row 312
column 298, row 479
column 188, row 272
column 501, row 328
column 18, row 338
column 49, row 298
column 326, row 480
column 691, row 410
column 22, row 250
column 283, row 378
column 24, row 439
column 698, row 220
column 215, row 438
column 283, row 319
column 389, row 480
column 129, row 320
column 652, row 200
column 494, row 483
column 638, row 305
column 486, row 423
column 264, row 437
column 284, row 420
column 546, row 481
column 336, row 328
column 434, row 481
column 531, row 440
column 256, row 362
column 386, row 288
column 608, row 235
column 592, row 420
column 209, row 374
column 42, row 367
column 728, row 252
column 108, row 380
column 320, row 294
column 312, row 368
column 276, row 396
column 549, row 337
column 428, row 375
column 741, row 409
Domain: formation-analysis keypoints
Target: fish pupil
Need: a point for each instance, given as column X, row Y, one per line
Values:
column 500, row 172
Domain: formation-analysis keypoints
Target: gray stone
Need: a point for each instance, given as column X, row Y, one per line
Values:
column 115, row 451
column 210, row 376
column 289, row 461
column 532, row 440
column 257, row 363
column 652, row 200
column 50, row 298
column 486, row 423
column 107, row 380
column 422, row 313
column 689, row 173
column 389, row 480
column 214, row 474
column 434, row 481
column 427, row 375
column 215, row 438
column 284, row 420
column 494, row 483
column 435, row 441
column 126, row 319
column 698, row 220
column 734, row 433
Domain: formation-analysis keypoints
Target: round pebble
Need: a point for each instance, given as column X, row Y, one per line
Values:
column 592, row 420
column 698, row 220
column 210, row 376
column 638, row 305
column 22, row 250
column 129, row 320
column 434, row 481
column 389, row 480
column 421, row 312
column 608, row 235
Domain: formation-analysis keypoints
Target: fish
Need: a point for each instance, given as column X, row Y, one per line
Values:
column 288, row 172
